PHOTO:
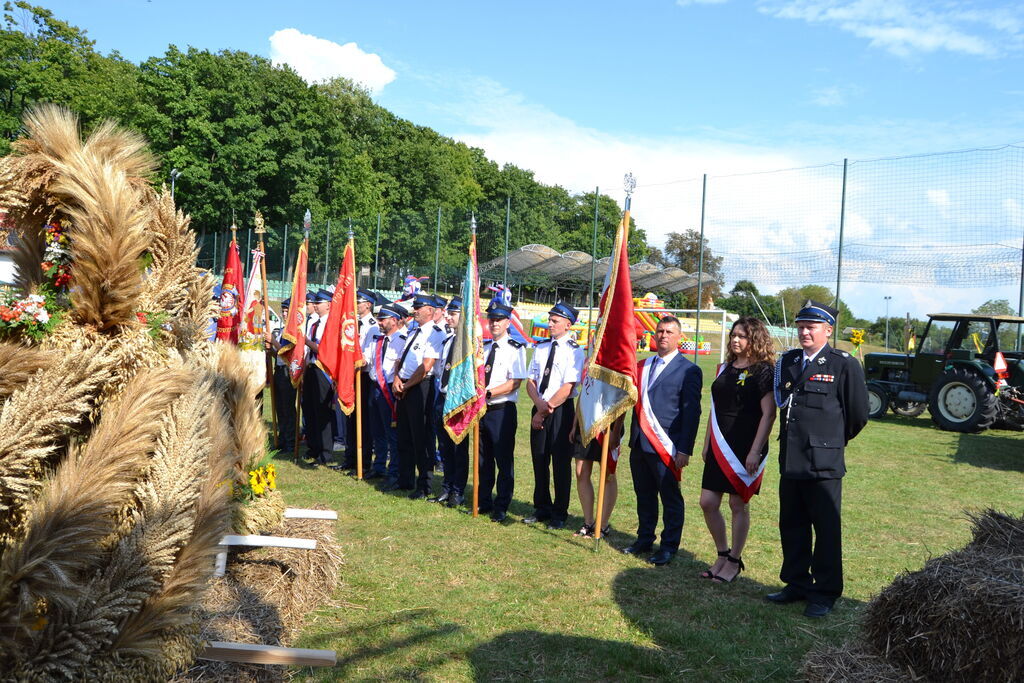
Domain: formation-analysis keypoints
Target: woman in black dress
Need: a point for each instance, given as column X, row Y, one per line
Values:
column 736, row 443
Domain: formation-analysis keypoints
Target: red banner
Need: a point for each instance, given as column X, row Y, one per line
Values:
column 339, row 353
column 232, row 297
column 295, row 327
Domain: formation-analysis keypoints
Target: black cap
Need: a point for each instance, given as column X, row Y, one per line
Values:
column 392, row 310
column 815, row 311
column 566, row 311
column 323, row 295
column 455, row 305
column 498, row 311
column 424, row 300
column 365, row 295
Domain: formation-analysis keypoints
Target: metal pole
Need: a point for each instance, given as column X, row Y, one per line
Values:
column 839, row 262
column 327, row 251
column 700, row 267
column 248, row 253
column 721, row 348
column 887, row 299
column 593, row 267
column 1020, row 298
column 284, row 258
column 215, row 250
column 376, row 258
column 437, row 248
column 508, row 222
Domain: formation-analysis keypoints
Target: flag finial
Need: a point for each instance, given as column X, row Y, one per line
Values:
column 307, row 223
column 472, row 222
column 258, row 220
column 629, row 183
column 350, row 233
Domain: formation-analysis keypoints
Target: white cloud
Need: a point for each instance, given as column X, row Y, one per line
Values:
column 685, row 3
column 906, row 27
column 317, row 59
column 828, row 97
column 939, row 198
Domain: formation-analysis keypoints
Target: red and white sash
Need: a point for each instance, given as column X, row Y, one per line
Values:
column 652, row 429
column 732, row 467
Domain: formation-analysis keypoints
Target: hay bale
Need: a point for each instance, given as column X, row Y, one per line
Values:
column 266, row 597
column 961, row 617
column 997, row 532
column 260, row 515
column 853, row 663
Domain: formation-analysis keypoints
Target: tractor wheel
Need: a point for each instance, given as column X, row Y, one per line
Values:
column 878, row 400
column 908, row 408
column 960, row 401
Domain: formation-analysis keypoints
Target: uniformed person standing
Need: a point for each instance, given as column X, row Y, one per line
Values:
column 317, row 391
column 556, row 368
column 381, row 352
column 504, row 371
column 414, row 389
column 368, row 329
column 823, row 405
column 454, row 457
column 283, row 389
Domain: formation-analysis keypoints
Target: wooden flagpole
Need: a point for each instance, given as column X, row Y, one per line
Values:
column 358, row 374
column 475, row 454
column 599, row 512
column 266, row 319
column 306, row 223
column 472, row 308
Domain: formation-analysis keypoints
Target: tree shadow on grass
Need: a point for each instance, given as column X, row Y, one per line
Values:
column 991, row 451
column 699, row 631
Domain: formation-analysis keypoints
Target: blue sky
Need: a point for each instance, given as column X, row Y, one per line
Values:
column 581, row 92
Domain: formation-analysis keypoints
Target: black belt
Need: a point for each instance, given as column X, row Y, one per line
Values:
column 491, row 407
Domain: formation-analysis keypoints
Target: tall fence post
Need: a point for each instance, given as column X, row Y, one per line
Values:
column 437, row 249
column 508, row 223
column 376, row 258
column 1020, row 298
column 327, row 252
column 214, row 269
column 700, row 268
column 284, row 255
column 839, row 261
column 593, row 264
column 248, row 251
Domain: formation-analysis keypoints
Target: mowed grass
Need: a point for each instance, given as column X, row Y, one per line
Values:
column 434, row 594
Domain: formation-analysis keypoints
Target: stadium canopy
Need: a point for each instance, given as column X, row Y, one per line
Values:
column 537, row 264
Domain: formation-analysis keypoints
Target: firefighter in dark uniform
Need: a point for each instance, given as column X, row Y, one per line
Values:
column 368, row 329
column 823, row 404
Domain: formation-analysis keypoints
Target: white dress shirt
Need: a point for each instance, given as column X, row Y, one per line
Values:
column 509, row 363
column 567, row 366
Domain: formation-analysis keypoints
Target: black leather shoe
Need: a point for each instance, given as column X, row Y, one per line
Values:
column 661, row 558
column 418, row 495
column 785, row 596
column 533, row 519
column 816, row 610
column 498, row 516
column 556, row 524
column 441, row 498
column 373, row 475
column 636, row 549
column 391, row 486
column 455, row 500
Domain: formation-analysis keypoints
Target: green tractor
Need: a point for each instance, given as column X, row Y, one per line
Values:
column 968, row 370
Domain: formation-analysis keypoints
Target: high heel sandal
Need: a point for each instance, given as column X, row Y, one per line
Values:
column 734, row 560
column 706, row 574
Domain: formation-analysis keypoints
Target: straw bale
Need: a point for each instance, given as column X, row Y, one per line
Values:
column 854, row 663
column 997, row 532
column 961, row 617
column 266, row 596
column 260, row 515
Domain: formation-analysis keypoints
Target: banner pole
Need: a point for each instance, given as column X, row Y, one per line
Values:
column 298, row 417
column 260, row 229
column 475, row 454
column 599, row 512
column 357, row 375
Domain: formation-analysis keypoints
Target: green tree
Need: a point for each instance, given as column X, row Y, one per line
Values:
column 683, row 250
column 995, row 307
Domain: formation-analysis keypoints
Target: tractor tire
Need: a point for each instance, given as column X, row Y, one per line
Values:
column 908, row 408
column 878, row 400
column 960, row 401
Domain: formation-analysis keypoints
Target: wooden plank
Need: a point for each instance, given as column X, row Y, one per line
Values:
column 269, row 542
column 248, row 653
column 298, row 513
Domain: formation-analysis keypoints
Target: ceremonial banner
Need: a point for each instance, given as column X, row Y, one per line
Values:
column 609, row 388
column 295, row 326
column 254, row 299
column 466, row 401
column 339, row 353
column 232, row 298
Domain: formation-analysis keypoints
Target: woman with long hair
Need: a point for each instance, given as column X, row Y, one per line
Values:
column 736, row 443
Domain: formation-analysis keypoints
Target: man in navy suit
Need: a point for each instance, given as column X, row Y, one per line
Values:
column 661, row 441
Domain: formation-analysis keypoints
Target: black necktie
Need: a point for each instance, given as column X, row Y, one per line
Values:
column 489, row 367
column 312, row 336
column 447, row 365
column 408, row 347
column 547, row 368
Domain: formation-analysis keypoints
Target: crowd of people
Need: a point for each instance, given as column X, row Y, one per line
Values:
column 817, row 392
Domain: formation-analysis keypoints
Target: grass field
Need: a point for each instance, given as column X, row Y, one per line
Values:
column 431, row 593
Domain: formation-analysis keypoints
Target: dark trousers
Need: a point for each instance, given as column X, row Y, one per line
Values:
column 652, row 480
column 455, row 457
column 497, row 447
column 385, row 435
column 412, row 438
column 317, row 405
column 365, row 387
column 284, row 397
column 552, row 451
column 814, row 566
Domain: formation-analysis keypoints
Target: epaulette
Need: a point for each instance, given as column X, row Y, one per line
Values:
column 574, row 344
column 515, row 344
column 488, row 341
column 378, row 337
column 402, row 336
column 438, row 328
column 544, row 341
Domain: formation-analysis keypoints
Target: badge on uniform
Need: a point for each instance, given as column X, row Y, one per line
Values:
column 789, row 385
column 547, row 371
column 821, row 361
column 447, row 366
column 822, row 378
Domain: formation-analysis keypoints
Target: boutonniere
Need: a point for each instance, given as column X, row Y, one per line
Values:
column 742, row 379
